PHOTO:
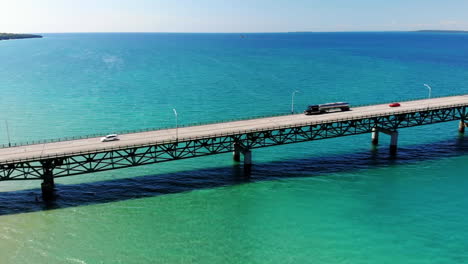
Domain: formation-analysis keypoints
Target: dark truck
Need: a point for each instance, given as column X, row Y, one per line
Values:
column 323, row 108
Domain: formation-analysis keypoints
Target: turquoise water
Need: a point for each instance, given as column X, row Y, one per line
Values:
column 331, row 201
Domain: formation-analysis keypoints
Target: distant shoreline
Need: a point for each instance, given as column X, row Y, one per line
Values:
column 8, row 36
column 442, row 31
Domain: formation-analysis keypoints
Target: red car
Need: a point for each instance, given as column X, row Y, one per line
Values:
column 394, row 105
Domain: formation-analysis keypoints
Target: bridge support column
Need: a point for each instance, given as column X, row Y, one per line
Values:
column 236, row 152
column 375, row 136
column 394, row 142
column 247, row 155
column 461, row 126
column 391, row 133
column 48, row 184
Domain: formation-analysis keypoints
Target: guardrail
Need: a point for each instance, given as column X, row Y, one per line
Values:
column 94, row 135
column 212, row 136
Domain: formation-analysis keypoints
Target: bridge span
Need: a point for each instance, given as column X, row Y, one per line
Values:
column 66, row 158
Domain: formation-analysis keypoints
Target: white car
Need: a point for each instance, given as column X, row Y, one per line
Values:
column 111, row 137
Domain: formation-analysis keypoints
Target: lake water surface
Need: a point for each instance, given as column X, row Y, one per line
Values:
column 330, row 201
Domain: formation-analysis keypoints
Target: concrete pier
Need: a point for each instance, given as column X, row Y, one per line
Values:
column 461, row 127
column 391, row 133
column 236, row 152
column 48, row 184
column 394, row 142
column 247, row 155
column 375, row 136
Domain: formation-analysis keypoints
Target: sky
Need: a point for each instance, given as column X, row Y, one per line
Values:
column 47, row 16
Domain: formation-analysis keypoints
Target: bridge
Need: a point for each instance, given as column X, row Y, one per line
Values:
column 73, row 157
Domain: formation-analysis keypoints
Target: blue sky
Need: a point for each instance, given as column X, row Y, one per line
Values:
column 230, row 15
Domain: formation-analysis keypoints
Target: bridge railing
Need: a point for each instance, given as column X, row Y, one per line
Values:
column 95, row 135
column 131, row 131
column 226, row 134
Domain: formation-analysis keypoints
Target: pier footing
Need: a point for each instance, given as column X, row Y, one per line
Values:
column 236, row 152
column 246, row 153
column 48, row 185
column 375, row 136
column 462, row 126
column 391, row 133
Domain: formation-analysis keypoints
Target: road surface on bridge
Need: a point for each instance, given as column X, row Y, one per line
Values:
column 153, row 137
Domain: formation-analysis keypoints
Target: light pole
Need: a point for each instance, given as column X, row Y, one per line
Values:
column 177, row 123
column 292, row 101
column 8, row 133
column 430, row 90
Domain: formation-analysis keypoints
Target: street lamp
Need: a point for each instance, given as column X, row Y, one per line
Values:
column 430, row 90
column 177, row 123
column 292, row 101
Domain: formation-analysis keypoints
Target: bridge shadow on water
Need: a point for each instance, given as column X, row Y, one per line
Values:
column 23, row 201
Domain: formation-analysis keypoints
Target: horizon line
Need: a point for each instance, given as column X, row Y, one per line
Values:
column 237, row 32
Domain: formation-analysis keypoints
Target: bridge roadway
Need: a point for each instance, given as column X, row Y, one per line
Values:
column 153, row 137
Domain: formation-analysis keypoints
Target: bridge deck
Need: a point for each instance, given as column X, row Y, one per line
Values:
column 151, row 137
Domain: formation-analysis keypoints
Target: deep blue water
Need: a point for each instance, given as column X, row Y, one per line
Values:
column 330, row 201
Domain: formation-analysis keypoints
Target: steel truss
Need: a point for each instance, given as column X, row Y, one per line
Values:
column 82, row 163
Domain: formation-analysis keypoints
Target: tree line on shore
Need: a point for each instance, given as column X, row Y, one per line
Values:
column 6, row 36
